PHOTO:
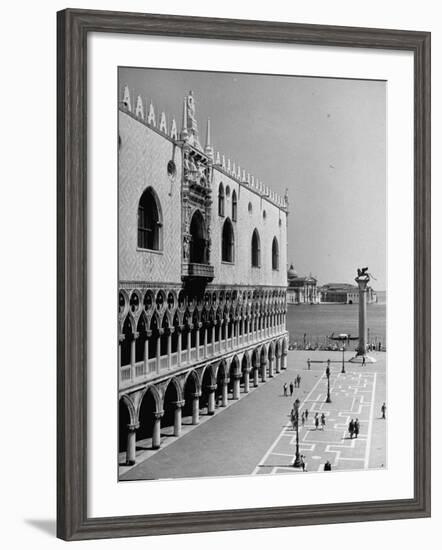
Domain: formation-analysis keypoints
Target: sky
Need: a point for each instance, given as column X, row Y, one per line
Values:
column 323, row 139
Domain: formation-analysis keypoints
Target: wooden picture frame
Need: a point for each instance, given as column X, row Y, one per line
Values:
column 73, row 29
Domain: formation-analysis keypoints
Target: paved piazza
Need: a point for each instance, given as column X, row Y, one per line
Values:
column 254, row 434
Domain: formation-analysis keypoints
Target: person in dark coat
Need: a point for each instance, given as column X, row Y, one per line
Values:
column 316, row 421
column 327, row 466
column 383, row 409
column 291, row 388
column 351, row 428
column 322, row 421
column 356, row 429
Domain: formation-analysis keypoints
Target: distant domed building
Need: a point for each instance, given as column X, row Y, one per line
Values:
column 301, row 290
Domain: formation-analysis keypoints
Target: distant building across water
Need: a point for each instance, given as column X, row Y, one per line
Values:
column 305, row 290
column 301, row 290
column 344, row 293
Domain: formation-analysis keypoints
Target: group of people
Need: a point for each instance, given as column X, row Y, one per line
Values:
column 353, row 428
column 295, row 384
column 319, row 419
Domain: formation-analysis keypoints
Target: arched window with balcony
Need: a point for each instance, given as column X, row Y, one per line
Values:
column 221, row 199
column 228, row 242
column 149, row 221
column 234, row 207
column 275, row 254
column 256, row 249
column 198, row 243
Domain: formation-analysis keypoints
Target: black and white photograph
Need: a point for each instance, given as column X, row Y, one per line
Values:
column 252, row 274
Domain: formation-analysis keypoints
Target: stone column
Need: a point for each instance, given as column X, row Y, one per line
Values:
column 278, row 364
column 236, row 386
column 255, row 377
column 211, row 402
column 361, row 353
column 246, row 380
column 225, row 333
column 264, row 370
column 213, row 337
column 197, row 340
column 160, row 333
column 156, row 434
column 146, row 351
column 189, row 343
column 271, row 360
column 169, row 347
column 120, row 339
column 177, row 418
column 284, row 360
column 225, row 393
column 180, row 343
column 133, row 344
column 196, row 408
column 131, row 444
column 205, row 341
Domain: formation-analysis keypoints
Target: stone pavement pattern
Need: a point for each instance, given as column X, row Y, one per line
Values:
column 254, row 435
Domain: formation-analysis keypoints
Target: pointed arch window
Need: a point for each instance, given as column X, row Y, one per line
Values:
column 221, row 199
column 234, row 207
column 228, row 242
column 149, row 221
column 275, row 254
column 256, row 249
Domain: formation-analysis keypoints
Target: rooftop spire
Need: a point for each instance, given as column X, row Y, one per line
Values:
column 208, row 149
column 184, row 132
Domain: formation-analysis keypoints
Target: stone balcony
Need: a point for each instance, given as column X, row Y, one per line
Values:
column 193, row 270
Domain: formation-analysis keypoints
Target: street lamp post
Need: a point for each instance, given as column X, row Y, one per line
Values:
column 343, row 358
column 327, row 373
column 297, row 463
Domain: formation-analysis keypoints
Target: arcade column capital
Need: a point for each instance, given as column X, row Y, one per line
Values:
column 148, row 333
column 196, row 395
column 179, row 404
column 121, row 338
column 133, row 427
column 212, row 387
column 158, row 415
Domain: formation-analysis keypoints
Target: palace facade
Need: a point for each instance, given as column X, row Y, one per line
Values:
column 202, row 276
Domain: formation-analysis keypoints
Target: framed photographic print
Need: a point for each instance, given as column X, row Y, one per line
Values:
column 243, row 274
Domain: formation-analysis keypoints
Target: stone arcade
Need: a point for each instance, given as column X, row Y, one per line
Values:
column 202, row 276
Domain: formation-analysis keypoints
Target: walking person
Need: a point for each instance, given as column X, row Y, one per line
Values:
column 284, row 387
column 363, row 360
column 308, row 363
column 322, row 421
column 306, row 414
column 316, row 421
column 356, row 428
column 303, row 418
column 351, row 428
column 383, row 409
column 303, row 463
column 291, row 388
column 327, row 466
column 298, row 379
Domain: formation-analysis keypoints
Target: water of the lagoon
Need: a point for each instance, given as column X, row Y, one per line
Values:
column 319, row 321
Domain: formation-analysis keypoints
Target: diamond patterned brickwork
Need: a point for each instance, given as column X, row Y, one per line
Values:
column 241, row 272
column 143, row 158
